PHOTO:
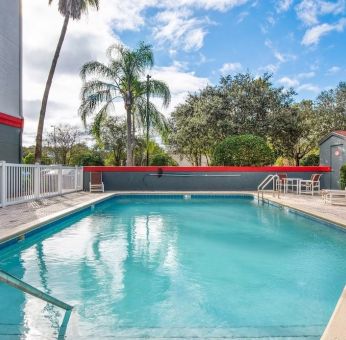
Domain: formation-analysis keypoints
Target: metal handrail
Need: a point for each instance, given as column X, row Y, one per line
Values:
column 269, row 179
column 25, row 287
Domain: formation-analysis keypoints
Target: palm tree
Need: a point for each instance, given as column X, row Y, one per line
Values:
column 70, row 9
column 122, row 79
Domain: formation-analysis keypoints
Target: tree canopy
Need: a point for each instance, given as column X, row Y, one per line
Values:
column 245, row 104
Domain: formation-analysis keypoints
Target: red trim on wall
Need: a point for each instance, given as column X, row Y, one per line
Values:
column 207, row 169
column 8, row 120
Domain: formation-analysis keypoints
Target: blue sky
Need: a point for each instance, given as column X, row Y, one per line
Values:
column 302, row 42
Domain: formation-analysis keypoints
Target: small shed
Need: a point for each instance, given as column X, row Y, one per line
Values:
column 333, row 154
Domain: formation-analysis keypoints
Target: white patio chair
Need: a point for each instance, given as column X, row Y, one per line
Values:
column 310, row 186
column 96, row 184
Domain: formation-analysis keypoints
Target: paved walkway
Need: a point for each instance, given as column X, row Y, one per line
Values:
column 20, row 218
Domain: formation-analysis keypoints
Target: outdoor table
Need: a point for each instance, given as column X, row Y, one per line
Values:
column 293, row 183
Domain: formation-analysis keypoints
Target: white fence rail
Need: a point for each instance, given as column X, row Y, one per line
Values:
column 25, row 182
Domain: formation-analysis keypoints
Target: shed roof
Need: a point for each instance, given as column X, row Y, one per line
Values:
column 339, row 133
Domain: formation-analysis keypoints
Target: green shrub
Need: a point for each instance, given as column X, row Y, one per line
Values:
column 162, row 159
column 29, row 158
column 311, row 159
column 243, row 150
column 343, row 177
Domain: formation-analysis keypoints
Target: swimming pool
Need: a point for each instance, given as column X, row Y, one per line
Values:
column 172, row 267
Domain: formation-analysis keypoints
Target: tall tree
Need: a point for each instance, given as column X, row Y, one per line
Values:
column 242, row 104
column 295, row 131
column 61, row 142
column 331, row 107
column 252, row 101
column 112, row 138
column 122, row 78
column 69, row 9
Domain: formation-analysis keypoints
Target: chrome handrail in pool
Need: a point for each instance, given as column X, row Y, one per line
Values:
column 269, row 179
column 26, row 288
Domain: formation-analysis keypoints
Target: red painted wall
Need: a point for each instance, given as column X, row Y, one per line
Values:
column 8, row 120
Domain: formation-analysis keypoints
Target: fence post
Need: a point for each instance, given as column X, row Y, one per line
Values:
column 3, row 183
column 37, row 181
column 60, row 180
column 76, row 178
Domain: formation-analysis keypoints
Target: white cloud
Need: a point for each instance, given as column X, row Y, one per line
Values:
column 309, row 88
column 313, row 35
column 39, row 41
column 271, row 68
column 309, row 11
column 333, row 70
column 180, row 28
column 219, row 5
column 283, row 5
column 180, row 82
column 306, row 75
column 288, row 82
column 229, row 68
column 242, row 16
column 279, row 56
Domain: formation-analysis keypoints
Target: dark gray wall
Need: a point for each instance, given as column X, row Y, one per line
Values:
column 192, row 181
column 10, row 77
column 328, row 157
column 9, row 144
column 10, row 57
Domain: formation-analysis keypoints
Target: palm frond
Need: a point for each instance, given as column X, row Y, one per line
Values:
column 95, row 68
column 144, row 57
column 92, row 101
column 160, row 89
column 75, row 8
column 99, row 119
column 94, row 86
column 157, row 120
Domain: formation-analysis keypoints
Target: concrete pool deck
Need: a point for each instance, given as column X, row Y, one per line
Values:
column 18, row 219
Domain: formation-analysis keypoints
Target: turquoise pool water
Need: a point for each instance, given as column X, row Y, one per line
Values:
column 207, row 267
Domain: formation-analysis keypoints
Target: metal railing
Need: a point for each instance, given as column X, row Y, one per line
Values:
column 26, row 182
column 270, row 179
column 26, row 288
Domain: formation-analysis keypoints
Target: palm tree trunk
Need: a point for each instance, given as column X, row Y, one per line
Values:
column 129, row 137
column 38, row 148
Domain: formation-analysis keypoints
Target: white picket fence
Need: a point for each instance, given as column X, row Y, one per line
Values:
column 25, row 182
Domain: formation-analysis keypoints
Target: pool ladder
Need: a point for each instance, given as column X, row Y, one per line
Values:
column 270, row 179
column 26, row 288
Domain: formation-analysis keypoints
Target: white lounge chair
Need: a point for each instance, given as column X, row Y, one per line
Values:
column 334, row 196
column 96, row 184
column 310, row 186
